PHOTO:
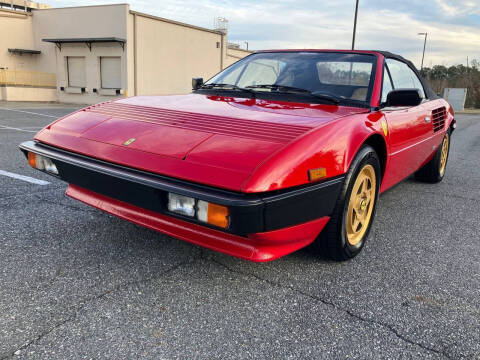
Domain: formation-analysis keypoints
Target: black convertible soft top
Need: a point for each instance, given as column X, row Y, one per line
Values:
column 429, row 93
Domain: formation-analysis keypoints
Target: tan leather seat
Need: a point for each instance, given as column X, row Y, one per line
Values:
column 359, row 94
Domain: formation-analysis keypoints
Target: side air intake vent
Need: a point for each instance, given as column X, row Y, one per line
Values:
column 439, row 115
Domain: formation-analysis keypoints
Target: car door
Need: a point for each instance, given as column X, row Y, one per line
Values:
column 409, row 128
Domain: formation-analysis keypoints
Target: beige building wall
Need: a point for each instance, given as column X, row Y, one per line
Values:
column 131, row 55
column 233, row 55
column 26, row 93
column 160, row 56
column 16, row 32
column 23, row 5
column 81, row 22
column 169, row 54
column 20, row 79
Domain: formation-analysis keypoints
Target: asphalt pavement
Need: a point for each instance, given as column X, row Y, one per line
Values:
column 76, row 283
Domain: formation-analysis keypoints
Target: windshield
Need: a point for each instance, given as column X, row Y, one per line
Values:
column 342, row 76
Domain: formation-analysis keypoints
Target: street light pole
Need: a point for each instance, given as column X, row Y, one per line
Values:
column 355, row 26
column 424, row 44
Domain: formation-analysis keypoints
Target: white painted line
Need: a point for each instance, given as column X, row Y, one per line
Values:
column 12, row 128
column 29, row 112
column 24, row 178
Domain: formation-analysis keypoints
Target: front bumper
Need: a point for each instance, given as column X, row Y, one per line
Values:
column 262, row 226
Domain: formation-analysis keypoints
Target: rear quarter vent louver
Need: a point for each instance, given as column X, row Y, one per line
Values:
column 439, row 116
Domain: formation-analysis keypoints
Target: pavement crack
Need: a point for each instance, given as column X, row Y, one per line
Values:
column 330, row 303
column 82, row 304
column 450, row 195
column 68, row 206
column 35, row 194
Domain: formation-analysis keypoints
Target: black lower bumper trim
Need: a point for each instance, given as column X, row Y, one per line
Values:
column 249, row 213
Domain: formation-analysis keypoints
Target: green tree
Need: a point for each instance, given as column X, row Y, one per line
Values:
column 439, row 72
column 441, row 77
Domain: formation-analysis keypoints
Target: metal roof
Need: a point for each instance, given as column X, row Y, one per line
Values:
column 24, row 51
column 87, row 41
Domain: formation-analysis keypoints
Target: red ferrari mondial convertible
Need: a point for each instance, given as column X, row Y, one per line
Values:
column 279, row 150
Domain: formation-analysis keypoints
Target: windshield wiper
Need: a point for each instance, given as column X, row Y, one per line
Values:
column 227, row 87
column 283, row 88
column 291, row 89
column 333, row 99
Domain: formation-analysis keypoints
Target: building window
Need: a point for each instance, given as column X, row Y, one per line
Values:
column 77, row 76
column 110, row 72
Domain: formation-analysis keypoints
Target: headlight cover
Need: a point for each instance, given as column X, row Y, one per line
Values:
column 210, row 213
column 181, row 204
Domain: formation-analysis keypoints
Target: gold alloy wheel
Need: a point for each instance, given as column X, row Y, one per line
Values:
column 444, row 154
column 360, row 206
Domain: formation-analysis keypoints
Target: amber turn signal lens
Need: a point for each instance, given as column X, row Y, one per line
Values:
column 213, row 214
column 43, row 163
column 32, row 160
column 217, row 215
column 316, row 174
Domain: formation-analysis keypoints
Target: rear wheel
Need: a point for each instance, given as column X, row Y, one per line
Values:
column 349, row 226
column 434, row 170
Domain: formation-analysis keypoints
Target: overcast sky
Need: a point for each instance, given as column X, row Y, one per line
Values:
column 453, row 26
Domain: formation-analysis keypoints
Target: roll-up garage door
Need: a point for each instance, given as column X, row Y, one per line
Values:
column 76, row 71
column 110, row 72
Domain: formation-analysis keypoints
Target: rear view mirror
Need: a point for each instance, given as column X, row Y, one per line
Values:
column 197, row 83
column 404, row 97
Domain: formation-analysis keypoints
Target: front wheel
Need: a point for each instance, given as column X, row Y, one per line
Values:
column 349, row 226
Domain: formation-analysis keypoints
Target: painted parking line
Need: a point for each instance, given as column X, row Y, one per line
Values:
column 17, row 129
column 29, row 112
column 24, row 178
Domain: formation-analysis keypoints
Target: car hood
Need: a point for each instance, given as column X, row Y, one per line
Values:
column 213, row 140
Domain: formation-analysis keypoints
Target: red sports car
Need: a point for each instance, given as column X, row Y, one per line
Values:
column 279, row 150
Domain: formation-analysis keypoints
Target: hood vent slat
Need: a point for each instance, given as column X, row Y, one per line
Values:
column 252, row 129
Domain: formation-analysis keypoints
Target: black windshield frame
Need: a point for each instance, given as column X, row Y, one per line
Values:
column 333, row 56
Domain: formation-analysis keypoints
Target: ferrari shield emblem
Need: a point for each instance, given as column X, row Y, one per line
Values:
column 129, row 141
column 384, row 127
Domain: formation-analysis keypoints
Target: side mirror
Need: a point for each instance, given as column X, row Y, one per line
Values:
column 404, row 97
column 197, row 83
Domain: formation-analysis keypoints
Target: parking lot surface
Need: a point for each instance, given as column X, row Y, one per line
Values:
column 76, row 283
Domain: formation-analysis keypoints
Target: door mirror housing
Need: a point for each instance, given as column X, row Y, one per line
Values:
column 197, row 83
column 404, row 97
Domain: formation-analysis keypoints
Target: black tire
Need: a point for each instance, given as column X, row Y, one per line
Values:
column 333, row 240
column 431, row 172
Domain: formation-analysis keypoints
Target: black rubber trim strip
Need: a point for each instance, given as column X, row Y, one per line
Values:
column 249, row 213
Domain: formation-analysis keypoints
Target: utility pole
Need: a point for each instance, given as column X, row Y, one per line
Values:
column 246, row 42
column 424, row 45
column 355, row 26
